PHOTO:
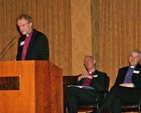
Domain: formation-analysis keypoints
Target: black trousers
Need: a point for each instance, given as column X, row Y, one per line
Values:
column 118, row 96
column 74, row 96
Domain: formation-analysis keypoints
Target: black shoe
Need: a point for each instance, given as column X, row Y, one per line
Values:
column 100, row 110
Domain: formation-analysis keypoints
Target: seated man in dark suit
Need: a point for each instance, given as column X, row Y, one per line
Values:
column 93, row 78
column 127, row 88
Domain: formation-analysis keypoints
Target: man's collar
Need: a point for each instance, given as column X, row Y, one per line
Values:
column 133, row 66
column 30, row 33
column 92, row 72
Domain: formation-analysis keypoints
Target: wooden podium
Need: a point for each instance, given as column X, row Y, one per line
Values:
column 40, row 87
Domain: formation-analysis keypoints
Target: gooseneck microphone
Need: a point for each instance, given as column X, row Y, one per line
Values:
column 7, row 45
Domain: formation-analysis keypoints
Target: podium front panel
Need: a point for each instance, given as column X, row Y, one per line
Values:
column 38, row 87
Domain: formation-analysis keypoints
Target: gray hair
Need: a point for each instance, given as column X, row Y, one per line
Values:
column 26, row 17
column 90, row 57
column 136, row 51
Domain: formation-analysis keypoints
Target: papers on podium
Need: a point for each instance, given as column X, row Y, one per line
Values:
column 84, row 87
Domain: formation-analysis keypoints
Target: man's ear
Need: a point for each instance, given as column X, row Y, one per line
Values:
column 94, row 61
column 30, row 24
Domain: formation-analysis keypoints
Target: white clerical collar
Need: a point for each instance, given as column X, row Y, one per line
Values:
column 27, row 35
column 132, row 66
column 90, row 72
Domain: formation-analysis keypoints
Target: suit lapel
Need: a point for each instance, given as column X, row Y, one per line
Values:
column 95, row 74
column 124, row 73
column 21, row 46
column 136, row 69
column 31, row 41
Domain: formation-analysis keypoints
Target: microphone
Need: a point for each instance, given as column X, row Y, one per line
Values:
column 7, row 45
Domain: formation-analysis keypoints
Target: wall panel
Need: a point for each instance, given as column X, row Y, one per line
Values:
column 95, row 29
column 81, row 34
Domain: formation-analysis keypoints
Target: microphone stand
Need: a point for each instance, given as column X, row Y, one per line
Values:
column 1, row 85
column 7, row 45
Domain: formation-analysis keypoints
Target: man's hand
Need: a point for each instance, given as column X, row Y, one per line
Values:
column 85, row 75
column 127, row 85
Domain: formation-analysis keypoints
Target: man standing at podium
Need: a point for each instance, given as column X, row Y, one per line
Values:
column 32, row 45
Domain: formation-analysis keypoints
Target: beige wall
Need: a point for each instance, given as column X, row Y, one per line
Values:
column 81, row 33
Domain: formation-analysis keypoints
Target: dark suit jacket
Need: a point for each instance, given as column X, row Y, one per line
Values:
column 98, row 82
column 38, row 48
column 136, row 78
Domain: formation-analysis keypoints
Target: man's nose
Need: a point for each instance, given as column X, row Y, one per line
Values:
column 133, row 58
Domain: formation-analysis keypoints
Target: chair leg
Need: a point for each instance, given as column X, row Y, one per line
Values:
column 97, row 106
column 139, row 106
column 66, row 110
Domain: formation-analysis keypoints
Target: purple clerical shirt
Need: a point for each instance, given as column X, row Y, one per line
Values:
column 87, row 81
column 128, row 77
column 27, row 40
